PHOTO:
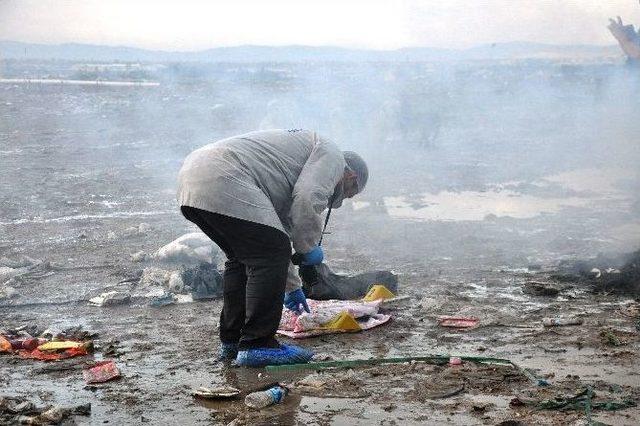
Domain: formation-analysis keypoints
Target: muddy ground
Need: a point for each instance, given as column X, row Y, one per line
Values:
column 83, row 168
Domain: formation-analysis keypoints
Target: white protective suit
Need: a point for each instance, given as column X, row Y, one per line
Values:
column 278, row 178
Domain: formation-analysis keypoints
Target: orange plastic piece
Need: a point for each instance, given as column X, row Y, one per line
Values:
column 5, row 345
column 52, row 356
column 377, row 292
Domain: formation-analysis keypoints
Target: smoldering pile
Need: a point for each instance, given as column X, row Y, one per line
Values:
column 604, row 274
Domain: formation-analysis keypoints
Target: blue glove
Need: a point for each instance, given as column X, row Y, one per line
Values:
column 314, row 257
column 294, row 299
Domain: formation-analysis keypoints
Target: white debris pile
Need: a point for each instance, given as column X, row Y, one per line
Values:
column 182, row 271
column 191, row 248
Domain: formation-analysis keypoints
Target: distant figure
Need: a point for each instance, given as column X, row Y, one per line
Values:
column 254, row 195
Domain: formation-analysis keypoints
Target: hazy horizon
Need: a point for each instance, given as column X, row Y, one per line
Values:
column 294, row 45
column 372, row 25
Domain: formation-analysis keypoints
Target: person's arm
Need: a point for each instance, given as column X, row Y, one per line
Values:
column 321, row 173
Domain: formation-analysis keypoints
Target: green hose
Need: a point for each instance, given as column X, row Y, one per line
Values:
column 432, row 359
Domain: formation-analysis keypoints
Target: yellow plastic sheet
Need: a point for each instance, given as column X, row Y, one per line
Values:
column 343, row 321
column 378, row 291
column 56, row 346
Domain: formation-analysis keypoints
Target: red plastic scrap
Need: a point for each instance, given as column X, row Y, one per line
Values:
column 458, row 322
column 52, row 356
column 101, row 372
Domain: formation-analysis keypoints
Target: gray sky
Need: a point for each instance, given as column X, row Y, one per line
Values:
column 193, row 25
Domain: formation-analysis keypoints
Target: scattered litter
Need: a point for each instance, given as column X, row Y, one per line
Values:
column 110, row 298
column 163, row 300
column 458, row 322
column 224, row 392
column 15, row 405
column 50, row 346
column 561, row 322
column 101, row 372
column 17, row 411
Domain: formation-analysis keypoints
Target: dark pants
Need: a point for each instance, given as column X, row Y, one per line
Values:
column 254, row 277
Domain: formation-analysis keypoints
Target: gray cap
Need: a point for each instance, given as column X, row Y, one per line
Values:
column 357, row 165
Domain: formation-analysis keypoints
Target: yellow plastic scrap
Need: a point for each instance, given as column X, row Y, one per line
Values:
column 343, row 321
column 56, row 346
column 378, row 291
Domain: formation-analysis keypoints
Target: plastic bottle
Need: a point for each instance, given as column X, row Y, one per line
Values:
column 261, row 399
column 560, row 321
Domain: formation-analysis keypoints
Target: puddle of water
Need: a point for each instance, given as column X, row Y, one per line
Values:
column 475, row 206
column 599, row 184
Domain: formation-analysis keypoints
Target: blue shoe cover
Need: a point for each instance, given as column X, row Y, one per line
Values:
column 285, row 354
column 228, row 351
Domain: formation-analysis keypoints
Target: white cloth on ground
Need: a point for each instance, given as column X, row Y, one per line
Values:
column 322, row 311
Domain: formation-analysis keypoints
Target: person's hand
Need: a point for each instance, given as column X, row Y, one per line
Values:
column 314, row 257
column 294, row 299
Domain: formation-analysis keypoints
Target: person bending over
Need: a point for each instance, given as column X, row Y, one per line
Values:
column 255, row 195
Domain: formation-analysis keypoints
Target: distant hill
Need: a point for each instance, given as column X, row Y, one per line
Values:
column 88, row 52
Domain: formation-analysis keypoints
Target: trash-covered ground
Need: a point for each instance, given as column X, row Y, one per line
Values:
column 482, row 224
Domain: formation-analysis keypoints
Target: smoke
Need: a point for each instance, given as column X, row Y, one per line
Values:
column 425, row 128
